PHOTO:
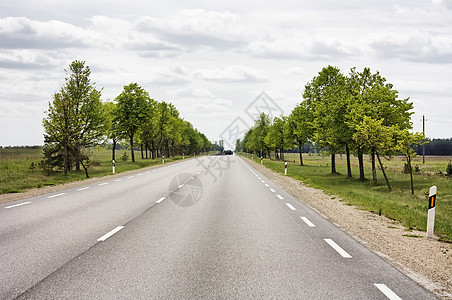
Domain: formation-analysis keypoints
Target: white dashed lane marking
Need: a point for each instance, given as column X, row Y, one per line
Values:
column 57, row 195
column 290, row 206
column 106, row 236
column 17, row 205
column 387, row 291
column 309, row 223
column 160, row 200
column 336, row 247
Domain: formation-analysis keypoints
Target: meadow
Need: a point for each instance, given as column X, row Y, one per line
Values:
column 19, row 168
column 398, row 204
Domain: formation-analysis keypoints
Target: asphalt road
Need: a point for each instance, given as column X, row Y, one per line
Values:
column 205, row 228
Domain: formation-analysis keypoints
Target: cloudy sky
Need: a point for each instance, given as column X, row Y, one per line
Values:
column 212, row 59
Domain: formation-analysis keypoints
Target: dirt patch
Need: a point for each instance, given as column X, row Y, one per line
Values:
column 427, row 261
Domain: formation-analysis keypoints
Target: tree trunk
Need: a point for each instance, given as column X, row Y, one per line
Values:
column 65, row 159
column 301, row 155
column 374, row 170
column 85, row 168
column 131, row 148
column 411, row 175
column 113, row 150
column 349, row 166
column 333, row 163
column 384, row 172
column 361, row 165
column 142, row 153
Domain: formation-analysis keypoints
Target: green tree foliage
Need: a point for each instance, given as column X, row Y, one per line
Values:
column 277, row 137
column 132, row 111
column 406, row 141
column 372, row 134
column 300, row 126
column 372, row 96
column 327, row 97
column 255, row 137
column 74, row 120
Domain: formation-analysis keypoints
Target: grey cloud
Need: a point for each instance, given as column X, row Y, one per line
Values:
column 414, row 49
column 196, row 28
column 23, row 33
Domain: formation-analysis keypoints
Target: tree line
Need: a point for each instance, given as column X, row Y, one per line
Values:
column 77, row 119
column 359, row 113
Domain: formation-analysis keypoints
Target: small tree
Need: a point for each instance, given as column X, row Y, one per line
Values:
column 406, row 141
column 371, row 134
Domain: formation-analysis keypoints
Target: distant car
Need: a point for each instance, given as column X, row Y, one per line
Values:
column 228, row 152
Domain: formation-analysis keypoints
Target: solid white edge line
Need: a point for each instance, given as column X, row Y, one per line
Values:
column 57, row 195
column 280, row 197
column 290, row 206
column 338, row 249
column 160, row 200
column 387, row 291
column 309, row 223
column 106, row 236
column 84, row 188
column 16, row 205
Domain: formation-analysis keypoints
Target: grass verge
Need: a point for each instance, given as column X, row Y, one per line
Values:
column 20, row 171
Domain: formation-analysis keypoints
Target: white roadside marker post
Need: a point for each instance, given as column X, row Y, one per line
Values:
column 285, row 168
column 262, row 160
column 431, row 211
column 113, row 163
column 183, row 156
column 163, row 159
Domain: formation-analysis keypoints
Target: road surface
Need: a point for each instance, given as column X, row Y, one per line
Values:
column 205, row 228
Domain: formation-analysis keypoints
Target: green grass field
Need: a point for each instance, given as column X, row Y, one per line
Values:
column 18, row 175
column 400, row 204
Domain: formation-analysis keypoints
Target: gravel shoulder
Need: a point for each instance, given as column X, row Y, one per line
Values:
column 427, row 261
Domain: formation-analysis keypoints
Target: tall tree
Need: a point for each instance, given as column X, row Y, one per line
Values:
column 372, row 96
column 75, row 119
column 111, row 126
column 327, row 95
column 300, row 125
column 132, row 111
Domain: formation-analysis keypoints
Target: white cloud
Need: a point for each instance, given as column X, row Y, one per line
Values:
column 234, row 73
column 196, row 28
column 23, row 33
column 414, row 46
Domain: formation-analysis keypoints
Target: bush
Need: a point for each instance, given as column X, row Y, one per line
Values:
column 124, row 157
column 449, row 169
